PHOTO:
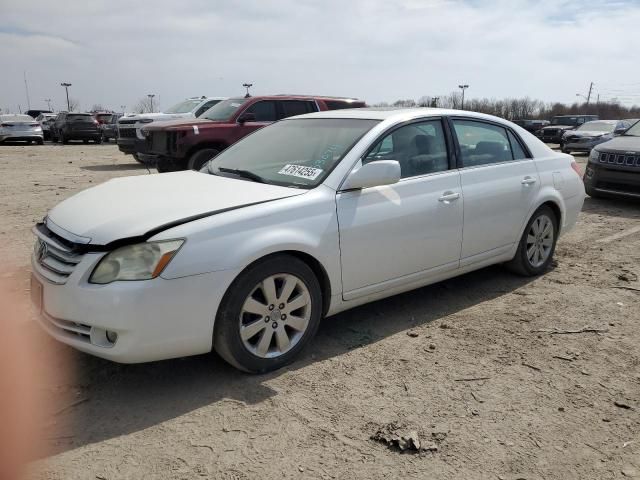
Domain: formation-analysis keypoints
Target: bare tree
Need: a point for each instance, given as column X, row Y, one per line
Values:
column 143, row 106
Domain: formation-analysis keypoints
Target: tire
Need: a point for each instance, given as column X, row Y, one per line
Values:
column 530, row 265
column 257, row 353
column 40, row 141
column 168, row 164
column 63, row 139
column 564, row 150
column 199, row 158
column 591, row 192
column 98, row 140
column 85, row 141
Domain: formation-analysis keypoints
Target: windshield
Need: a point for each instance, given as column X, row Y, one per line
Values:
column 184, row 107
column 634, row 131
column 603, row 127
column 292, row 153
column 564, row 121
column 223, row 110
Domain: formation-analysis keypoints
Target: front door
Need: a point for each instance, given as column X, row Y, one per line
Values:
column 395, row 234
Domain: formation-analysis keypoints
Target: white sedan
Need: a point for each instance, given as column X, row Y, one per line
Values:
column 20, row 128
column 303, row 219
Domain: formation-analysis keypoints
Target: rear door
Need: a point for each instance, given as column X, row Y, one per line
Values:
column 499, row 182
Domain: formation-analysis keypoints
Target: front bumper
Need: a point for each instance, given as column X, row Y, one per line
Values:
column 621, row 177
column 126, row 145
column 153, row 319
column 583, row 146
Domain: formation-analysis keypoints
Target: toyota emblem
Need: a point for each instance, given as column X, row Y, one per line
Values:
column 43, row 251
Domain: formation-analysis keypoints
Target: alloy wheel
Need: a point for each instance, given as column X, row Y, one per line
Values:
column 275, row 315
column 540, row 240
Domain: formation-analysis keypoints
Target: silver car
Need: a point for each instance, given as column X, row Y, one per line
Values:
column 20, row 128
column 45, row 120
column 590, row 134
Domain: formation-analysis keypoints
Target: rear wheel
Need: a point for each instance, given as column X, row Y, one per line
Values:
column 40, row 141
column 198, row 159
column 98, row 140
column 537, row 245
column 63, row 139
column 268, row 314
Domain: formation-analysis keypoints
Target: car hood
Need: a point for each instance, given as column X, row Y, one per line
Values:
column 621, row 144
column 558, row 127
column 183, row 123
column 586, row 134
column 134, row 206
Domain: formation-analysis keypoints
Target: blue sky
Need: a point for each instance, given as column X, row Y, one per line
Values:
column 114, row 52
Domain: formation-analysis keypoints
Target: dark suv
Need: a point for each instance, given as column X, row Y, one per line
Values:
column 614, row 166
column 562, row 123
column 76, row 126
column 189, row 144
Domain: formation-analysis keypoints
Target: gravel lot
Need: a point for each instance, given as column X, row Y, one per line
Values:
column 492, row 372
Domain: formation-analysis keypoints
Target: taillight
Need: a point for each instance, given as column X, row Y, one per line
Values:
column 576, row 168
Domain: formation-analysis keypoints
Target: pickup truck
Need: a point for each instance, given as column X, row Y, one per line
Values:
column 189, row 144
column 130, row 140
column 560, row 124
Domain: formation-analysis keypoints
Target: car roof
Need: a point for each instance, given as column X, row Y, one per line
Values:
column 299, row 97
column 612, row 122
column 398, row 114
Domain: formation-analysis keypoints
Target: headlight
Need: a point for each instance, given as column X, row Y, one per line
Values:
column 142, row 261
column 594, row 155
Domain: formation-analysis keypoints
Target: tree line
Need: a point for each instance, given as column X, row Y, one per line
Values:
column 520, row 108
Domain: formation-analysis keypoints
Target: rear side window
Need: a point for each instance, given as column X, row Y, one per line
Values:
column 342, row 104
column 516, row 147
column 484, row 143
column 264, row 111
column 291, row 108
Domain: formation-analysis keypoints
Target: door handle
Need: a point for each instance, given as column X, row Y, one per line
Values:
column 448, row 197
column 528, row 181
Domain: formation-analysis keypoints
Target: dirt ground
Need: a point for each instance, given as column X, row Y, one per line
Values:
column 491, row 371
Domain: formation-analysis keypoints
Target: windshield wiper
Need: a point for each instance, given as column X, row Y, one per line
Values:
column 243, row 173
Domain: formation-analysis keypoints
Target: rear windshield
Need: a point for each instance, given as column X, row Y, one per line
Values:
column 344, row 104
column 184, row 107
column 224, row 110
column 79, row 117
column 16, row 118
column 104, row 117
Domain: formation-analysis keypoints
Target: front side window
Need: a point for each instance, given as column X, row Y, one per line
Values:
column 419, row 148
column 293, row 153
column 483, row 143
column 264, row 111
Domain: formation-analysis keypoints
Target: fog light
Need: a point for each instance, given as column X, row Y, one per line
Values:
column 112, row 336
column 589, row 172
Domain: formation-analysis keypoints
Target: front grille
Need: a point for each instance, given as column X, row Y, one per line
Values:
column 158, row 142
column 53, row 256
column 550, row 133
column 620, row 159
column 127, row 132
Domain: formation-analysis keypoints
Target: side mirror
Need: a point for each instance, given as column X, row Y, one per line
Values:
column 374, row 174
column 247, row 117
column 619, row 131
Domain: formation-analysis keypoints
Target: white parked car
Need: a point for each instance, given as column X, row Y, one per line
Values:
column 21, row 128
column 300, row 220
column 130, row 139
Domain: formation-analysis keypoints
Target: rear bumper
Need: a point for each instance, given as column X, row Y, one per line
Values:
column 82, row 135
column 22, row 137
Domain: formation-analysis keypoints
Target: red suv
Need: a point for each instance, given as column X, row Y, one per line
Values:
column 189, row 144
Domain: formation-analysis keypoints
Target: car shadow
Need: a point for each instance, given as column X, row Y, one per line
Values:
column 612, row 207
column 114, row 167
column 122, row 399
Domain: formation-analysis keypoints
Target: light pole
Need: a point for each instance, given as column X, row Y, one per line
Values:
column 463, row 88
column 247, row 86
column 48, row 100
column 580, row 95
column 151, row 95
column 66, row 87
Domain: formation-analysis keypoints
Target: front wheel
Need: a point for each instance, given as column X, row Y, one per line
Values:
column 268, row 314
column 537, row 245
column 198, row 159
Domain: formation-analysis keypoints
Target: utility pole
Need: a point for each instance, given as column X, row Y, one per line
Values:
column 247, row 86
column 589, row 95
column 26, row 87
column 66, row 87
column 151, row 95
column 463, row 88
column 48, row 100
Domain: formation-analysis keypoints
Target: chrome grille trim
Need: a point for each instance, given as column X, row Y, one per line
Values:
column 53, row 260
column 620, row 159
